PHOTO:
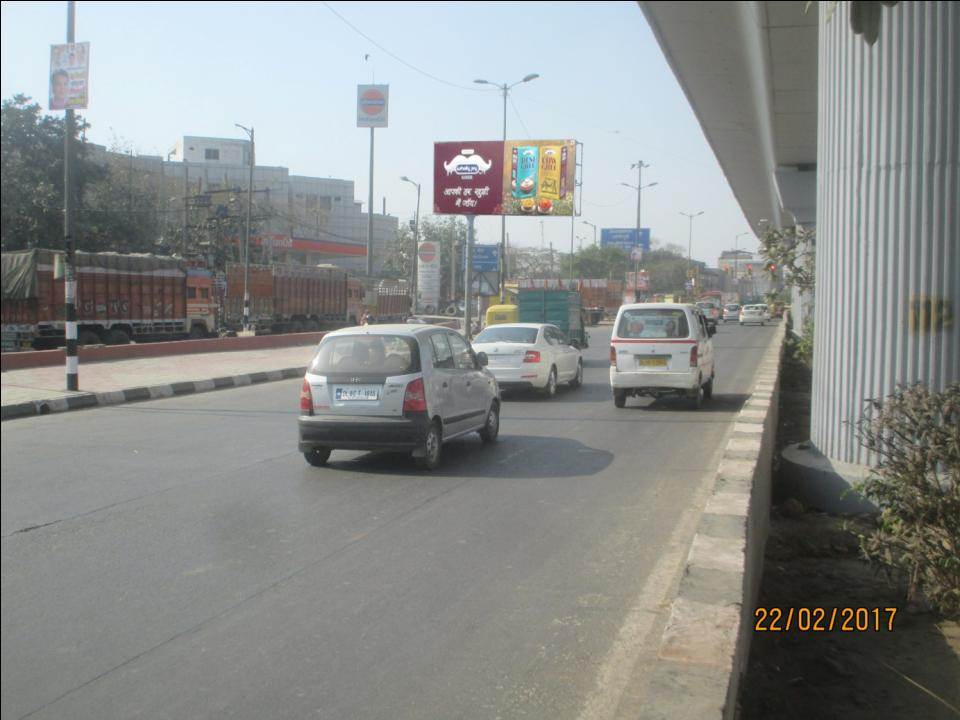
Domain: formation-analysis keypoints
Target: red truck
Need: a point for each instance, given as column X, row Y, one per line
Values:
column 149, row 297
column 119, row 298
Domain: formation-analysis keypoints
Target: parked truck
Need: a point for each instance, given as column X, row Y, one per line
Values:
column 562, row 308
column 119, row 298
column 146, row 298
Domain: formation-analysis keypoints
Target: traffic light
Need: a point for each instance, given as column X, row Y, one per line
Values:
column 750, row 270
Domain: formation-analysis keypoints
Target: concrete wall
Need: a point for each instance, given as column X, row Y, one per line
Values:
column 706, row 643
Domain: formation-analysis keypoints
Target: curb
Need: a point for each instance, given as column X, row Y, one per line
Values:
column 137, row 394
column 705, row 645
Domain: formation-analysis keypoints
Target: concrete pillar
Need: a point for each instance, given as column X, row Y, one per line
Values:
column 888, row 214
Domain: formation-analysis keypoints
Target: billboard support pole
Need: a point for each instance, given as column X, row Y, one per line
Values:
column 370, row 214
column 70, row 243
column 468, row 279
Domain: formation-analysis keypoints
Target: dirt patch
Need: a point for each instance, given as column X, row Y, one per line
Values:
column 813, row 561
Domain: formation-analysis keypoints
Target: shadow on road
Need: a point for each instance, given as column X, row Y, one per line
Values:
column 718, row 403
column 514, row 456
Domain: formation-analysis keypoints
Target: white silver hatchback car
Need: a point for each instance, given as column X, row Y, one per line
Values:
column 531, row 355
column 661, row 349
column 395, row 388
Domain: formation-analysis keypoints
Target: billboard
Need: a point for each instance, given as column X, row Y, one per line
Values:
column 626, row 238
column 428, row 277
column 69, row 76
column 516, row 177
column 372, row 105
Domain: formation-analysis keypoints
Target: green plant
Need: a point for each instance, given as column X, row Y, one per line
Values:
column 805, row 344
column 915, row 435
column 793, row 250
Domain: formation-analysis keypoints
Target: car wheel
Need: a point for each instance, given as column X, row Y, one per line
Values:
column 431, row 448
column 551, row 388
column 317, row 457
column 708, row 389
column 620, row 398
column 491, row 428
column 578, row 378
column 696, row 399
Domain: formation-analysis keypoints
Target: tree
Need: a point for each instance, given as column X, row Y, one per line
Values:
column 118, row 205
column 448, row 233
column 31, row 157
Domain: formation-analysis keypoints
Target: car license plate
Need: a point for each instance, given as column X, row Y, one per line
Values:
column 655, row 362
column 358, row 392
column 499, row 359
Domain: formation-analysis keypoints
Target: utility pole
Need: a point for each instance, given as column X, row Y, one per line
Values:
column 467, row 279
column 690, row 217
column 246, row 234
column 415, row 260
column 639, row 165
column 370, row 214
column 70, row 242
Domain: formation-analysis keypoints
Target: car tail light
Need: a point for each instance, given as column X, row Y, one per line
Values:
column 306, row 399
column 613, row 356
column 693, row 356
column 532, row 356
column 415, row 398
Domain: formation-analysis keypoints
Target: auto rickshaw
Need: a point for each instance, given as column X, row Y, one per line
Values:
column 500, row 314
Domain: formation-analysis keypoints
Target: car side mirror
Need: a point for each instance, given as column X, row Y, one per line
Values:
column 711, row 330
column 482, row 359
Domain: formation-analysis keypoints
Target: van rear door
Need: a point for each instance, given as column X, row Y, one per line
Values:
column 650, row 339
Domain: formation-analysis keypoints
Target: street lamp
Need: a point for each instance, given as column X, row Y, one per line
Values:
column 639, row 190
column 690, row 217
column 416, row 248
column 246, row 233
column 736, row 263
column 587, row 222
column 505, row 88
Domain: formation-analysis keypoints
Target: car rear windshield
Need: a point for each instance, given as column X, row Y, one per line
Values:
column 527, row 336
column 653, row 323
column 733, row 307
column 367, row 355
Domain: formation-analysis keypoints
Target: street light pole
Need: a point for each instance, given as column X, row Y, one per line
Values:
column 70, row 242
column 690, row 216
column 736, row 263
column 586, row 222
column 246, row 233
column 505, row 89
column 416, row 249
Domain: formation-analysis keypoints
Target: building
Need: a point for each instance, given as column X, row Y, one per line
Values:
column 303, row 220
column 747, row 273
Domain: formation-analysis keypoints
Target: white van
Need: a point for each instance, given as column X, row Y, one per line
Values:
column 661, row 349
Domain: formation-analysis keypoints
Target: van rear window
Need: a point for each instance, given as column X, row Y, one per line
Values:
column 653, row 323
column 366, row 355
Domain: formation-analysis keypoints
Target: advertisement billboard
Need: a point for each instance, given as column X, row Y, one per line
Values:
column 372, row 105
column 69, row 76
column 428, row 277
column 540, row 177
column 517, row 177
column 626, row 238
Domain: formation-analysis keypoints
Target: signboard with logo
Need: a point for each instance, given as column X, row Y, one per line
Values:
column 517, row 177
column 372, row 105
column 69, row 76
column 428, row 277
column 625, row 238
column 468, row 178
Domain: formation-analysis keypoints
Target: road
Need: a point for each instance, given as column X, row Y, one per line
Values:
column 178, row 558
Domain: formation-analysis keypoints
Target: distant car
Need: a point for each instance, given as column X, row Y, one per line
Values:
column 731, row 312
column 661, row 349
column 395, row 388
column 711, row 311
column 531, row 355
column 754, row 314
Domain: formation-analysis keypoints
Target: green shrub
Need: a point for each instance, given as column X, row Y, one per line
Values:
column 915, row 436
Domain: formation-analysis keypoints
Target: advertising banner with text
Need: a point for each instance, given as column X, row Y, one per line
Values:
column 518, row 177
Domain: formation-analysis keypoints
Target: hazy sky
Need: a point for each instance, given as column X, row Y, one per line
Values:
column 163, row 70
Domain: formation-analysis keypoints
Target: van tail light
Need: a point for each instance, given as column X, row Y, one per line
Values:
column 613, row 356
column 532, row 356
column 306, row 399
column 693, row 356
column 415, row 398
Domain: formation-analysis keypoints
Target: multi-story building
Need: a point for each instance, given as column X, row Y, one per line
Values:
column 299, row 219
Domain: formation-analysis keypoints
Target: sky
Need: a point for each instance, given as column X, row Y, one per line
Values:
column 160, row 71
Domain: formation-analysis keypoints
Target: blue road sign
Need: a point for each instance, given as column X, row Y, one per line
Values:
column 626, row 238
column 486, row 258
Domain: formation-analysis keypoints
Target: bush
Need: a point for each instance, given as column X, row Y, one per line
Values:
column 915, row 435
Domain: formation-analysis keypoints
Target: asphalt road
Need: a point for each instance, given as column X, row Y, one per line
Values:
column 178, row 559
